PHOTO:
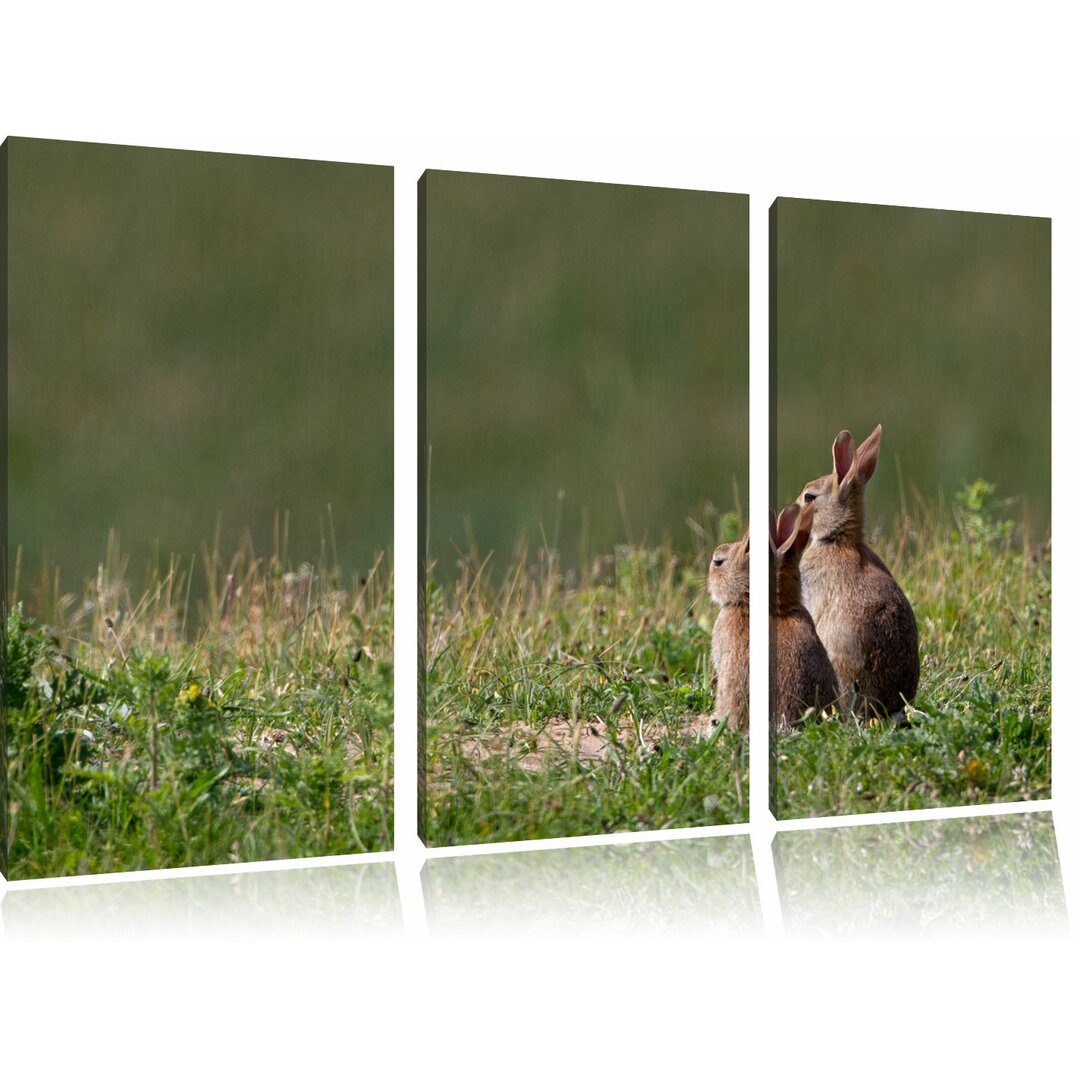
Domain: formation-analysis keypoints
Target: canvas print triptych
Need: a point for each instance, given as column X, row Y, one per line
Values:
column 198, row 528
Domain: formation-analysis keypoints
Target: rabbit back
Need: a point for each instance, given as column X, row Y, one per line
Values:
column 866, row 624
column 729, row 586
column 803, row 676
column 730, row 656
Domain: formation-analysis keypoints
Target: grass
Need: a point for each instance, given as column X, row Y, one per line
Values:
column 562, row 703
column 148, row 732
column 567, row 704
column 979, row 727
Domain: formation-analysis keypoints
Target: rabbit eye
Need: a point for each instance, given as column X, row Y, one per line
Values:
column 718, row 562
column 809, row 496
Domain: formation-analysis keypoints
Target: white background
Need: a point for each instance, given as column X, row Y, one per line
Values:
column 939, row 105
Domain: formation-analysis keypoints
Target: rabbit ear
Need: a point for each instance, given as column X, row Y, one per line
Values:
column 866, row 457
column 843, row 454
column 744, row 544
column 794, row 528
column 786, row 524
column 804, row 528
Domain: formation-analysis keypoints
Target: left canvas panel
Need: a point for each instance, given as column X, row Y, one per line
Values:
column 198, row 380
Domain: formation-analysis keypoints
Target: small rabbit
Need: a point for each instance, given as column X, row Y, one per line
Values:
column 862, row 616
column 729, row 585
column 801, row 675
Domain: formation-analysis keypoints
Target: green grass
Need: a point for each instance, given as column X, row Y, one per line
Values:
column 563, row 705
column 979, row 728
column 144, row 732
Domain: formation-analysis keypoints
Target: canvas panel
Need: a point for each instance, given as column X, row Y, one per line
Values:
column 199, row 369
column 925, row 335
column 584, row 429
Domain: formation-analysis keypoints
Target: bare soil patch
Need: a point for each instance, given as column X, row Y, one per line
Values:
column 587, row 740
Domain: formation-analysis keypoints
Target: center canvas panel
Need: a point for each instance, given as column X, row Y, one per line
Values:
column 583, row 486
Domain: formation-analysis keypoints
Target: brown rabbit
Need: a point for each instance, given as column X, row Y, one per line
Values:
column 863, row 618
column 729, row 585
column 801, row 675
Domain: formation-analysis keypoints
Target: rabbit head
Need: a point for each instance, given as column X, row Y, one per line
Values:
column 837, row 499
column 729, row 573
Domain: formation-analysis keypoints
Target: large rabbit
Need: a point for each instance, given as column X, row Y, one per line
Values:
column 863, row 618
column 801, row 675
column 729, row 585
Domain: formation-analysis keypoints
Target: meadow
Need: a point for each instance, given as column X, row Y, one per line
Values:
column 978, row 730
column 148, row 730
column 564, row 702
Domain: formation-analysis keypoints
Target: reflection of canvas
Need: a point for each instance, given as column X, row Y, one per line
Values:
column 911, row 376
column 970, row 876
column 584, row 419
column 199, row 377
column 688, row 886
column 321, row 902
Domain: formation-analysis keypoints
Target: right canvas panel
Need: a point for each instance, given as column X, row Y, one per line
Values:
column 910, row 482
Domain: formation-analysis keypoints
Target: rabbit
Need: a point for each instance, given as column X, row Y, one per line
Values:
column 862, row 616
column 729, row 585
column 801, row 675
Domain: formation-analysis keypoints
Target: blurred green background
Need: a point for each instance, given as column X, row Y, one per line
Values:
column 195, row 336
column 583, row 338
column 935, row 324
